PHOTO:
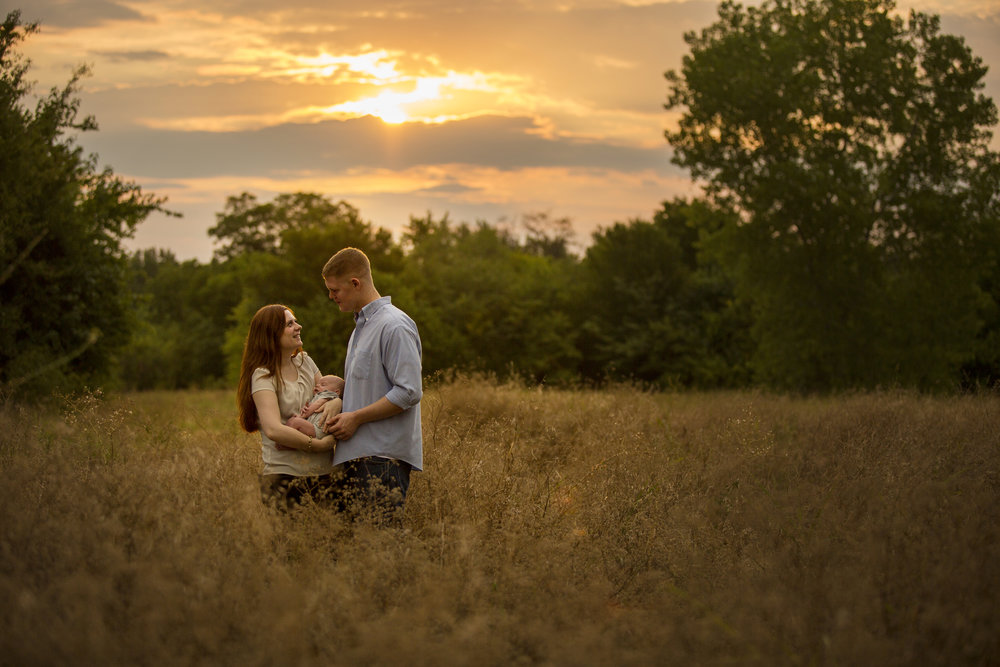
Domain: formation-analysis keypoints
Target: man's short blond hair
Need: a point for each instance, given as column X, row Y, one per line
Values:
column 348, row 263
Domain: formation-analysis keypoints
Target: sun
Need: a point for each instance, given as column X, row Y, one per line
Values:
column 391, row 105
column 388, row 106
column 395, row 96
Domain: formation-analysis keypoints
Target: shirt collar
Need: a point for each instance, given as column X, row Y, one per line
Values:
column 369, row 311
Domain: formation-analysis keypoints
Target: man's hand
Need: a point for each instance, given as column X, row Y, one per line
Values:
column 343, row 425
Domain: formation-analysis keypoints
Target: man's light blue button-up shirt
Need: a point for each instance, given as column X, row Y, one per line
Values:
column 383, row 359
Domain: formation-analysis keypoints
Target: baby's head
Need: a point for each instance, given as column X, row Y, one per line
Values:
column 330, row 383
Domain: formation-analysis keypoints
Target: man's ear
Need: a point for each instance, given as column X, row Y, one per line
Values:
column 355, row 282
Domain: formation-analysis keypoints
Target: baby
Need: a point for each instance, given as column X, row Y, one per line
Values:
column 310, row 420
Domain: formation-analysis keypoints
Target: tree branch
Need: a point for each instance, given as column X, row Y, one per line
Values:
column 7, row 272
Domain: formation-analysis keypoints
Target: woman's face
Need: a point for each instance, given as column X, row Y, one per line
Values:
column 291, row 338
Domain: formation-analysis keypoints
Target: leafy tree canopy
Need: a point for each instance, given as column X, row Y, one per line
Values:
column 63, row 291
column 246, row 225
column 659, row 308
column 486, row 302
column 854, row 148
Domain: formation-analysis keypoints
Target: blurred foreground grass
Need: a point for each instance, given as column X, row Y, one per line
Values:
column 549, row 527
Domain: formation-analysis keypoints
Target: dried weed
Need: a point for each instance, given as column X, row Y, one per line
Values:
column 550, row 527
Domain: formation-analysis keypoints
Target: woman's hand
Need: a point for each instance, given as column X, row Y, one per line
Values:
column 331, row 408
column 325, row 444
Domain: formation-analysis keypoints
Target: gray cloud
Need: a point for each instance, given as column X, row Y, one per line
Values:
column 333, row 146
column 75, row 14
column 448, row 188
column 132, row 56
column 121, row 107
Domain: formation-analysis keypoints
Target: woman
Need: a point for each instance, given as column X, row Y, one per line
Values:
column 276, row 381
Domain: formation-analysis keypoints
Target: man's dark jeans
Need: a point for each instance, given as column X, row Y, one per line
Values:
column 285, row 492
column 374, row 486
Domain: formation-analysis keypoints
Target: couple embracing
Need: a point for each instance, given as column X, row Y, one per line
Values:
column 358, row 448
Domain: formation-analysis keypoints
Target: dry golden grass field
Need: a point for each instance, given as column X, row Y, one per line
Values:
column 549, row 527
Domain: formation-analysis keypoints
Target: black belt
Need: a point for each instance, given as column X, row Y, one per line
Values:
column 377, row 459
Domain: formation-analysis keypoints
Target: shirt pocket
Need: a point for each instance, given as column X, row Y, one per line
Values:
column 362, row 367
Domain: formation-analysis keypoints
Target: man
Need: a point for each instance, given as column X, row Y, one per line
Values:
column 378, row 431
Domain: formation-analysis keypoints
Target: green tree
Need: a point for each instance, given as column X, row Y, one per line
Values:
column 982, row 368
column 247, row 225
column 547, row 236
column 853, row 147
column 183, row 311
column 63, row 291
column 487, row 303
column 659, row 309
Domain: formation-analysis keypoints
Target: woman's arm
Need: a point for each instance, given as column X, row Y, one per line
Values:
column 286, row 436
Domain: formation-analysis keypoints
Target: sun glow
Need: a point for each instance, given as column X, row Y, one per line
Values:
column 371, row 67
column 390, row 105
column 430, row 100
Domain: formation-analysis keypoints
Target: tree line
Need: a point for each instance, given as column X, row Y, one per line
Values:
column 488, row 299
column 848, row 237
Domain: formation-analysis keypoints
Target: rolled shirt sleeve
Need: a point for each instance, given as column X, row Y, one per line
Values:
column 402, row 365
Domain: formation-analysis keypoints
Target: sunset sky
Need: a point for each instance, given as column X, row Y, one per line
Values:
column 484, row 110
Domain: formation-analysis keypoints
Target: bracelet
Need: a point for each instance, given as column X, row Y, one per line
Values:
column 309, row 444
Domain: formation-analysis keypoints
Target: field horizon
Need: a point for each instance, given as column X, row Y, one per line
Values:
column 550, row 526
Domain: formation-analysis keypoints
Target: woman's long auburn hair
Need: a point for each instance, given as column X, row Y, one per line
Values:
column 262, row 349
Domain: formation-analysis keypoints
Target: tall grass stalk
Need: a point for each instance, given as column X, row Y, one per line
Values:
column 550, row 527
